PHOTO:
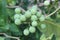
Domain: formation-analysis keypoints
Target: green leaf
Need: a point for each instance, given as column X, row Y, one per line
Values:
column 50, row 37
column 4, row 12
column 43, row 37
column 5, row 27
column 13, row 28
column 2, row 38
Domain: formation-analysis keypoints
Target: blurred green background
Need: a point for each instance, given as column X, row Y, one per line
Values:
column 7, row 22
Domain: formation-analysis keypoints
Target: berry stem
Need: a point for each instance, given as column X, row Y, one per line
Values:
column 9, row 36
column 16, row 7
column 53, row 12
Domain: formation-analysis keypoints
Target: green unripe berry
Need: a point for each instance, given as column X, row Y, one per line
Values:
column 34, row 9
column 17, row 10
column 34, row 23
column 27, row 14
column 17, row 21
column 16, row 16
column 26, row 32
column 32, row 29
column 22, row 18
column 46, row 3
column 43, row 26
column 42, row 18
column 33, row 17
column 38, row 14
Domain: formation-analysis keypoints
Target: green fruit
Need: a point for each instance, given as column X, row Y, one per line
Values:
column 34, row 23
column 22, row 18
column 42, row 18
column 16, row 16
column 32, row 29
column 17, row 10
column 38, row 14
column 46, row 3
column 26, row 32
column 43, row 26
column 33, row 17
column 34, row 9
column 27, row 14
column 17, row 21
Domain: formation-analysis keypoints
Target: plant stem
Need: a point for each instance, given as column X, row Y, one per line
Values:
column 9, row 36
column 53, row 12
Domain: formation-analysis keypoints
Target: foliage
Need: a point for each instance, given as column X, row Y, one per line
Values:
column 29, row 20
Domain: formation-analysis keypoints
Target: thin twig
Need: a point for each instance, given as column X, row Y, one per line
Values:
column 53, row 12
column 41, row 4
column 9, row 36
column 16, row 7
column 37, row 1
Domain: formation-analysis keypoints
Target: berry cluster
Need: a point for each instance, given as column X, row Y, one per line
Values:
column 33, row 15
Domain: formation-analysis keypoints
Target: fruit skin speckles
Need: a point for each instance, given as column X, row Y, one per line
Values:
column 16, row 16
column 33, row 17
column 46, row 3
column 33, row 9
column 34, row 23
column 32, row 29
column 17, row 10
column 22, row 18
column 27, row 14
column 42, row 18
column 43, row 26
column 38, row 14
column 17, row 21
column 26, row 32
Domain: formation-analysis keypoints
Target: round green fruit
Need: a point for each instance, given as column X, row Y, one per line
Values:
column 34, row 23
column 17, row 21
column 26, row 32
column 22, row 18
column 42, row 18
column 16, row 16
column 17, row 10
column 33, row 17
column 43, row 26
column 27, row 14
column 46, row 3
column 38, row 14
column 32, row 29
column 34, row 9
